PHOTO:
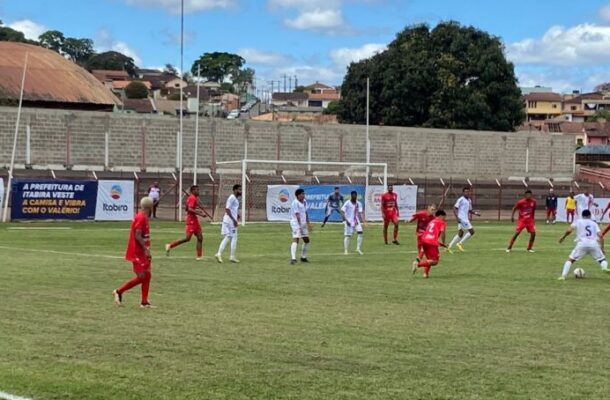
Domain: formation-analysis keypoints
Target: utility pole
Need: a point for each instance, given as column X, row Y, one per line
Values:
column 285, row 83
column 290, row 84
column 296, row 82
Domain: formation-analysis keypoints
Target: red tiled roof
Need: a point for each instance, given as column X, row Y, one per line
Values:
column 297, row 96
column 324, row 96
column 585, row 96
column 554, row 97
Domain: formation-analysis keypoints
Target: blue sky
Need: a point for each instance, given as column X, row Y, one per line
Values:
column 564, row 44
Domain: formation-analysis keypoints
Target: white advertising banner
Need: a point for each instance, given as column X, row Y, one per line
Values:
column 602, row 203
column 407, row 202
column 1, row 194
column 279, row 199
column 115, row 201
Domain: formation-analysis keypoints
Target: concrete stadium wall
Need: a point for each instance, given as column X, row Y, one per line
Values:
column 71, row 139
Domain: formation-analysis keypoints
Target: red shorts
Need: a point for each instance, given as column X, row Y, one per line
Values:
column 193, row 229
column 570, row 212
column 141, row 265
column 420, row 244
column 529, row 224
column 390, row 217
column 551, row 212
column 431, row 252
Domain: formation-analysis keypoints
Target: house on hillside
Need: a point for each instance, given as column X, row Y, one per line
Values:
column 582, row 106
column 542, row 106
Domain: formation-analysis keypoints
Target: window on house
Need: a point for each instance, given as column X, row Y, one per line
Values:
column 532, row 104
column 554, row 105
column 579, row 142
column 574, row 108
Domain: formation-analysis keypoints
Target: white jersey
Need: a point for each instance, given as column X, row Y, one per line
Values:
column 464, row 206
column 233, row 206
column 298, row 208
column 352, row 212
column 587, row 231
column 154, row 193
column 583, row 202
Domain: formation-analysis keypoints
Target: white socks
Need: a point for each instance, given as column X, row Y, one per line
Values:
column 293, row 250
column 566, row 268
column 466, row 237
column 359, row 242
column 304, row 250
column 455, row 239
column 223, row 244
column 233, row 246
column 604, row 264
column 346, row 243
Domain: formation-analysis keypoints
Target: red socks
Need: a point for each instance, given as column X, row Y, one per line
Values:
column 199, row 253
column 512, row 242
column 531, row 243
column 395, row 233
column 425, row 265
column 146, row 287
column 385, row 234
column 129, row 284
column 173, row 244
column 135, row 281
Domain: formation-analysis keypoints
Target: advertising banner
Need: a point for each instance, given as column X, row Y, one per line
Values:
column 279, row 199
column 602, row 203
column 407, row 202
column 317, row 196
column 53, row 199
column 115, row 201
column 1, row 193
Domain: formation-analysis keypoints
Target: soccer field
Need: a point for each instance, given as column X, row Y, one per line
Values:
column 486, row 325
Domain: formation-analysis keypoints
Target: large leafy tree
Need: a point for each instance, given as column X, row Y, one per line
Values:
column 112, row 60
column 136, row 90
column 447, row 77
column 11, row 35
column 52, row 40
column 218, row 66
column 78, row 50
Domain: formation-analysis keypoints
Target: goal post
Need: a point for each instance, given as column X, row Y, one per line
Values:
column 307, row 172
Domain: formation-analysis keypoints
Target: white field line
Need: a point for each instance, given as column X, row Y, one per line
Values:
column 39, row 228
column 8, row 396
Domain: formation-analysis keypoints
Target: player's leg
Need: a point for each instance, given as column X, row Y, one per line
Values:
column 359, row 240
column 233, row 257
column 327, row 216
column 566, row 268
column 221, row 248
column 386, row 224
column 469, row 232
column 531, row 228
column 176, row 243
column 599, row 256
column 139, row 270
column 144, row 303
column 577, row 253
column 347, row 234
column 199, row 249
column 293, row 250
column 458, row 236
column 304, row 249
column 395, row 221
column 513, row 240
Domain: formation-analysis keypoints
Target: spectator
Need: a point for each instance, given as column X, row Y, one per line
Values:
column 155, row 194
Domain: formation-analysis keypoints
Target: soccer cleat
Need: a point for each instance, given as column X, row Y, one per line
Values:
column 234, row 260
column 293, row 262
column 118, row 297
column 530, row 251
column 395, row 242
column 218, row 258
column 199, row 258
column 168, row 248
column 359, row 252
column 426, row 275
column 508, row 250
column 414, row 267
column 460, row 247
column 146, row 305
column 346, row 253
column 323, row 225
column 304, row 260
column 561, row 278
column 448, row 250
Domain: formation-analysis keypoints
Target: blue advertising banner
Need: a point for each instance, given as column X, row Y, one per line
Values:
column 53, row 199
column 317, row 197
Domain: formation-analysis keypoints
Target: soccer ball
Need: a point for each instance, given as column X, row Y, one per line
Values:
column 579, row 273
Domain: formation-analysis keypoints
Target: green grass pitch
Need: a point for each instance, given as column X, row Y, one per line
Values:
column 487, row 325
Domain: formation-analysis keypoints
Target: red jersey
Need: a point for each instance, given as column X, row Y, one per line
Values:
column 527, row 208
column 423, row 219
column 191, row 204
column 433, row 231
column 389, row 203
column 135, row 251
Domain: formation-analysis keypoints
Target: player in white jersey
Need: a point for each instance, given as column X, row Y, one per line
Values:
column 589, row 240
column 352, row 213
column 584, row 201
column 230, row 223
column 463, row 211
column 154, row 192
column 299, row 223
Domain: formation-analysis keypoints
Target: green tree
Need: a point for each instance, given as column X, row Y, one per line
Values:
column 227, row 87
column 299, row 89
column 136, row 90
column 78, row 50
column 52, row 40
column 113, row 61
column 334, row 107
column 601, row 115
column 242, row 78
column 170, row 69
column 217, row 66
column 447, row 77
column 10, row 35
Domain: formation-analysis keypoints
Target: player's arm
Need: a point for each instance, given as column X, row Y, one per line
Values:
column 600, row 239
column 441, row 241
column 566, row 234
column 228, row 212
column 512, row 216
column 141, row 242
column 343, row 217
column 472, row 212
column 455, row 212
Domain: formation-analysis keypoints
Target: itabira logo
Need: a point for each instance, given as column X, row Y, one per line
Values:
column 284, row 195
column 116, row 191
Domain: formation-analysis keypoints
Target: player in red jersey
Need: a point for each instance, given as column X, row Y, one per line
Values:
column 138, row 252
column 527, row 212
column 193, row 211
column 433, row 237
column 389, row 210
column 423, row 218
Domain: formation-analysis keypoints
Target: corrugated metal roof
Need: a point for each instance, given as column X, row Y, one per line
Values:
column 596, row 149
column 50, row 77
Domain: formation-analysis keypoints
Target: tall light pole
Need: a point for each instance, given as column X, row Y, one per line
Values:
column 196, row 127
column 368, row 139
column 180, row 188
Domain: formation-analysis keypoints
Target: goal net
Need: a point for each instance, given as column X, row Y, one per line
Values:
column 268, row 186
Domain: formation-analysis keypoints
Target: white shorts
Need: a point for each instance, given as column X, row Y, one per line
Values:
column 583, row 249
column 299, row 232
column 329, row 211
column 228, row 229
column 465, row 225
column 350, row 230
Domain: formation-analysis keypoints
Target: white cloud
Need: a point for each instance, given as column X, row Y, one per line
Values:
column 30, row 29
column 604, row 13
column 345, row 55
column 317, row 20
column 124, row 48
column 262, row 57
column 190, row 6
column 582, row 44
column 106, row 42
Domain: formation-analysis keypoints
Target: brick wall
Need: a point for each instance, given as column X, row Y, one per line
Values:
column 149, row 142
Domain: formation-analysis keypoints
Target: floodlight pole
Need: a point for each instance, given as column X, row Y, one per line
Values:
column 197, row 127
column 180, row 184
column 244, row 191
column 12, row 166
column 368, row 140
